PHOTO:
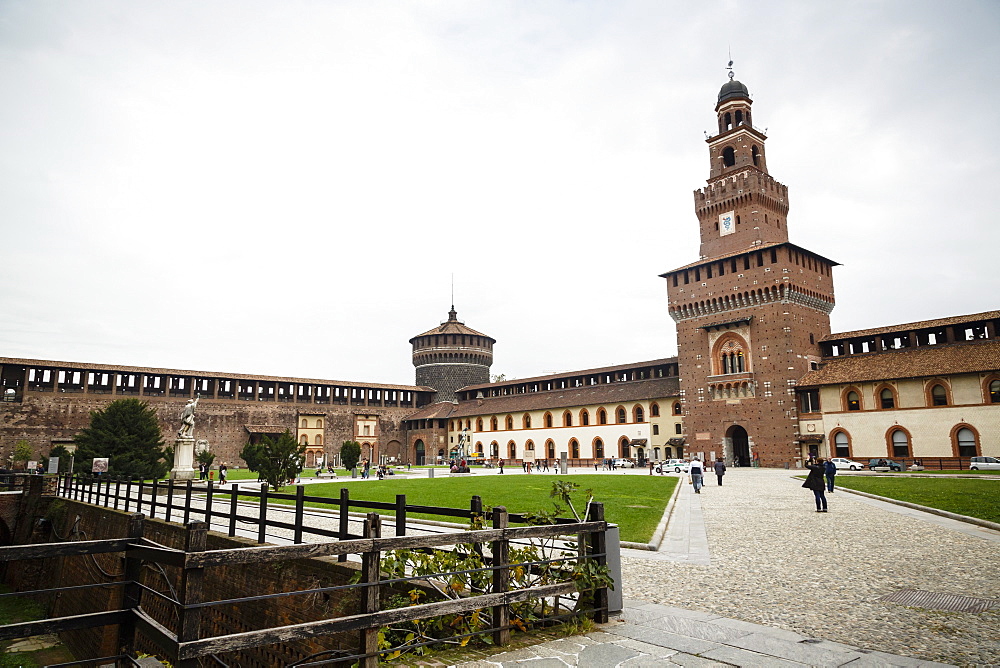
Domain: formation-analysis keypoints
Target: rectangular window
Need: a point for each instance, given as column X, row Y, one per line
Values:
column 809, row 401
column 656, row 430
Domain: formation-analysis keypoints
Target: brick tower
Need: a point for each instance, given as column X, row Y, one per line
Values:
column 451, row 356
column 750, row 313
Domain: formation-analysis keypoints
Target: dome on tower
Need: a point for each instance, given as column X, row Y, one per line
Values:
column 733, row 89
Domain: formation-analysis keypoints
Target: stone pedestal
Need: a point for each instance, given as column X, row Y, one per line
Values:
column 183, row 460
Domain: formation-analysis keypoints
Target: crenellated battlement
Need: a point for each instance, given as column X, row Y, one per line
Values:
column 750, row 180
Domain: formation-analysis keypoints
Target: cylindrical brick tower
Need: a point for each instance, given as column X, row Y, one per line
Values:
column 451, row 356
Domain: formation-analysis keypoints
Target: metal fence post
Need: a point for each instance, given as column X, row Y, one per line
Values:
column 152, row 499
column 170, row 500
column 400, row 514
column 128, row 492
column 187, row 500
column 370, row 595
column 300, row 504
column 345, row 520
column 209, row 495
column 262, row 515
column 501, row 579
column 234, row 491
column 118, row 487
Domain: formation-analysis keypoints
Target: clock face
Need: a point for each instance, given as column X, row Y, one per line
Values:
column 727, row 223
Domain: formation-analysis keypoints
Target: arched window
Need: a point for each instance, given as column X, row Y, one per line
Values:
column 656, row 454
column 995, row 392
column 512, row 450
column 842, row 444
column 574, row 449
column 598, row 448
column 602, row 416
column 526, row 421
column 550, row 449
column 639, row 414
column 319, row 423
column 729, row 355
column 319, row 439
column 548, row 420
column 305, row 423
column 304, row 440
column 677, row 408
column 584, row 417
column 479, row 424
column 623, row 447
column 728, row 157
column 939, row 395
column 493, row 423
column 965, row 442
column 654, row 410
column 567, row 419
column 853, row 401
column 900, row 443
column 529, row 446
column 756, row 156
column 886, row 398
column 510, row 422
column 622, row 416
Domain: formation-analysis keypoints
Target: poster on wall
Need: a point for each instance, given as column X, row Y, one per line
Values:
column 100, row 465
column 53, row 465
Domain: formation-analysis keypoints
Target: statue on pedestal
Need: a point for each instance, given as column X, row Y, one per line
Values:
column 187, row 418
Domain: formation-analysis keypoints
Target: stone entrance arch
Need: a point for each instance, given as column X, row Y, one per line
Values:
column 738, row 439
column 419, row 452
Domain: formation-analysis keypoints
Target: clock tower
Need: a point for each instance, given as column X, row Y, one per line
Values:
column 751, row 311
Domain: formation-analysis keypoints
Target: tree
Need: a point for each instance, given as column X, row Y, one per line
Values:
column 127, row 432
column 22, row 452
column 251, row 454
column 350, row 453
column 275, row 461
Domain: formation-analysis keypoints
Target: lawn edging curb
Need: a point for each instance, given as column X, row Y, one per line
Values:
column 661, row 529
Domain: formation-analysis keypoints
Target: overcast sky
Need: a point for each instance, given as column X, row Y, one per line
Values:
column 286, row 188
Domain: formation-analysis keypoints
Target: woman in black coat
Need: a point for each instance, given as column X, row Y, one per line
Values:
column 816, row 483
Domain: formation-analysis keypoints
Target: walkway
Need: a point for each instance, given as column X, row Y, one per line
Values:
column 750, row 575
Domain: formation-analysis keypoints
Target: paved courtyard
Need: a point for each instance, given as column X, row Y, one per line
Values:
column 749, row 574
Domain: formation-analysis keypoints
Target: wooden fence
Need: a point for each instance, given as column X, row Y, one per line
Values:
column 184, row 645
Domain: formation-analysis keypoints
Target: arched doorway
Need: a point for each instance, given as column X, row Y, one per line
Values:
column 741, row 445
column 623, row 448
column 418, row 448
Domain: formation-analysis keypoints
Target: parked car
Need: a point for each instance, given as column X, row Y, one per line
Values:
column 842, row 463
column 984, row 463
column 675, row 465
column 624, row 464
column 882, row 462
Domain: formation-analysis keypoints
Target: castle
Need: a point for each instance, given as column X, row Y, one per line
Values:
column 759, row 377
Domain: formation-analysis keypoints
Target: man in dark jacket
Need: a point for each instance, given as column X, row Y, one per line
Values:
column 720, row 469
column 831, row 471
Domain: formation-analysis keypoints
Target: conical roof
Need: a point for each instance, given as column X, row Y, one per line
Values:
column 452, row 326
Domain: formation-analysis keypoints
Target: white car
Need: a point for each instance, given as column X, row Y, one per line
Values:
column 842, row 463
column 676, row 466
column 984, row 463
column 624, row 464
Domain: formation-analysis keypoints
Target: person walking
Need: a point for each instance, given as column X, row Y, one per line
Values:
column 223, row 472
column 720, row 469
column 831, row 471
column 695, row 472
column 500, row 465
column 815, row 482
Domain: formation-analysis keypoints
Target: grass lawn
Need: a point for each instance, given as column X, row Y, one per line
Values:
column 975, row 498
column 633, row 502
column 961, row 472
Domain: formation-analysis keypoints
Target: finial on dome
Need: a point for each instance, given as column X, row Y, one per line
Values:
column 732, row 75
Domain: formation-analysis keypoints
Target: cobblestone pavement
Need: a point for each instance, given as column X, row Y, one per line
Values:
column 750, row 574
